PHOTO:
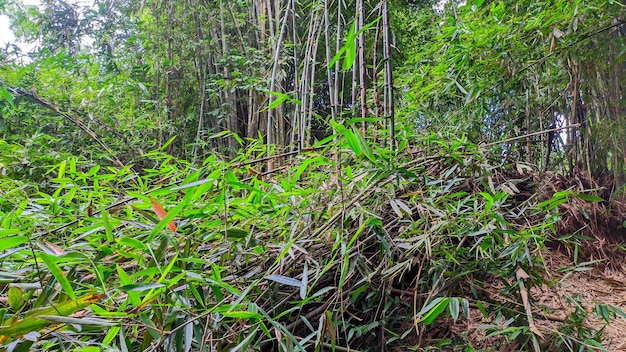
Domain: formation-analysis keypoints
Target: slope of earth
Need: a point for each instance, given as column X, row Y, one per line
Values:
column 598, row 286
column 574, row 294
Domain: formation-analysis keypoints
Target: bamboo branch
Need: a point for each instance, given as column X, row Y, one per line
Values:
column 75, row 120
column 533, row 134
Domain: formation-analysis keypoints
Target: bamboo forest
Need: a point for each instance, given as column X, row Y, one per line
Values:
column 312, row 175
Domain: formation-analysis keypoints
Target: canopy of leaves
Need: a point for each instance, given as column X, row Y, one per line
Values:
column 306, row 174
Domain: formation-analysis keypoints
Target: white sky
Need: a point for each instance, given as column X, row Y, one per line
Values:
column 6, row 35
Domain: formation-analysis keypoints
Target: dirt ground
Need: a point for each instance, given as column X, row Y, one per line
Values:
column 602, row 284
column 597, row 286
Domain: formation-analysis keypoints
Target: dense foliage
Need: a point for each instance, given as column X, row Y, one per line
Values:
column 304, row 174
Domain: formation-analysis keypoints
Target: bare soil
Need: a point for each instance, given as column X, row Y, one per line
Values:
column 553, row 304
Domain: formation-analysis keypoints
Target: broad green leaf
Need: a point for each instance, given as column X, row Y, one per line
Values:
column 150, row 295
column 353, row 142
column 489, row 199
column 348, row 59
column 276, row 103
column 354, row 120
column 345, row 266
column 87, row 349
column 230, row 177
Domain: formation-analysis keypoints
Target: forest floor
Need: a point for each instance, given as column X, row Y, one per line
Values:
column 605, row 284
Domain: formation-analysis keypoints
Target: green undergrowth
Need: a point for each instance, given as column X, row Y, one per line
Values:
column 342, row 246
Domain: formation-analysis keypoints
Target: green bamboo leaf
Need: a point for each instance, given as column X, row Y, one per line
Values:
column 589, row 197
column 368, row 26
column 34, row 322
column 454, row 306
column 348, row 59
column 171, row 214
column 169, row 141
column 432, row 310
column 352, row 121
column 489, row 199
column 12, row 242
column 352, row 141
column 219, row 134
column 131, row 242
column 345, row 266
column 61, row 172
column 164, row 274
column 126, row 280
column 279, row 100
column 141, row 287
column 110, row 336
column 363, row 146
column 58, row 274
column 338, row 56
column 4, row 93
column 78, row 321
column 8, row 232
column 87, row 349
column 16, row 298
column 236, row 233
column 108, row 227
column 242, row 315
column 230, row 177
column 242, row 346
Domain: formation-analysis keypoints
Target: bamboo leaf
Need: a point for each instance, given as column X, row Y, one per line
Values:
column 58, row 274
column 363, row 145
column 34, row 322
column 590, row 197
column 12, row 242
column 432, row 310
column 285, row 280
column 16, row 298
column 4, row 93
column 242, row 315
column 78, row 321
column 141, row 287
column 305, row 281
column 162, row 214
